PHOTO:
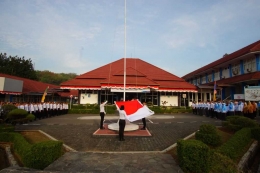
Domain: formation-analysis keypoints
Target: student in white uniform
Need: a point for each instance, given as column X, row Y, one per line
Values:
column 102, row 114
column 122, row 116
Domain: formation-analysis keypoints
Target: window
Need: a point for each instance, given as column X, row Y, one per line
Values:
column 235, row 69
column 249, row 65
column 216, row 75
column 203, row 79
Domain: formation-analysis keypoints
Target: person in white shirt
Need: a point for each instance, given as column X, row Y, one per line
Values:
column 36, row 111
column 54, row 108
column 122, row 116
column 44, row 110
column 40, row 110
column 26, row 107
column 102, row 114
column 31, row 108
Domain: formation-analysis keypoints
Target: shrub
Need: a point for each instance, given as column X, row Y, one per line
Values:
column 208, row 134
column 6, row 109
column 36, row 156
column 6, row 128
column 92, row 109
column 157, row 109
column 44, row 153
column 20, row 145
column 78, row 106
column 236, row 123
column 193, row 156
column 17, row 116
column 236, row 144
column 220, row 163
column 256, row 133
column 30, row 117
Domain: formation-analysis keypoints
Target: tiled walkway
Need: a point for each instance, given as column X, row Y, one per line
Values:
column 106, row 153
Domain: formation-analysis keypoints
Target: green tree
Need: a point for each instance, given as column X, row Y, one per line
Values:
column 17, row 66
column 54, row 78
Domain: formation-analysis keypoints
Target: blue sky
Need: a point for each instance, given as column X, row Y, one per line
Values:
column 81, row 35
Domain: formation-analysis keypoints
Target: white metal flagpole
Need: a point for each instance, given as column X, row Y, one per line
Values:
column 125, row 54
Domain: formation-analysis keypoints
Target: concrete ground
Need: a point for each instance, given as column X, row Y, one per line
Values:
column 106, row 153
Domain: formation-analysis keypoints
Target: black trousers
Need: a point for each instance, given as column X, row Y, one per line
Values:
column 102, row 115
column 144, row 122
column 121, row 129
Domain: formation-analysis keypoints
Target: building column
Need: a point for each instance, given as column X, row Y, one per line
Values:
column 241, row 67
column 243, row 86
column 257, row 62
column 232, row 92
column 196, row 97
column 205, row 96
column 230, row 70
column 158, row 98
column 99, row 96
column 223, row 93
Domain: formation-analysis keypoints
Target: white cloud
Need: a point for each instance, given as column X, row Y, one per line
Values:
column 206, row 26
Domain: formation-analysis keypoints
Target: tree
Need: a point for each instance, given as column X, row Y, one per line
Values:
column 17, row 66
column 54, row 78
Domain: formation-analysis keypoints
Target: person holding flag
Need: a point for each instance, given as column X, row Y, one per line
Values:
column 122, row 117
column 143, row 119
column 102, row 113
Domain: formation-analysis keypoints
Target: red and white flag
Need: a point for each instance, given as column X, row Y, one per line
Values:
column 134, row 110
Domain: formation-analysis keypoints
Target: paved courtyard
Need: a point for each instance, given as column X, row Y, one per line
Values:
column 106, row 153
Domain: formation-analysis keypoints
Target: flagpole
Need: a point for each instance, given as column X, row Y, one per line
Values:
column 125, row 54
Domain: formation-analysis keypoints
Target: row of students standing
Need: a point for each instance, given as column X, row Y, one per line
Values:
column 43, row 110
column 220, row 109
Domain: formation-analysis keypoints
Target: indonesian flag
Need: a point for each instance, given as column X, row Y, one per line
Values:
column 134, row 110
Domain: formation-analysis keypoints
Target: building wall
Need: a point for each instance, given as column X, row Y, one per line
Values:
column 88, row 98
column 245, row 64
column 171, row 100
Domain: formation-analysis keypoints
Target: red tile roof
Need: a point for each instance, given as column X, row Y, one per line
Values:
column 32, row 86
column 248, row 49
column 239, row 78
column 138, row 72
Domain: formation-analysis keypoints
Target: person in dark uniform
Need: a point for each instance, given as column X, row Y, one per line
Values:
column 144, row 120
column 102, row 114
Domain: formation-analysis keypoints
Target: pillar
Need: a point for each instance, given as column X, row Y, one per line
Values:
column 230, row 70
column 223, row 93
column 257, row 62
column 242, row 67
column 243, row 86
column 232, row 92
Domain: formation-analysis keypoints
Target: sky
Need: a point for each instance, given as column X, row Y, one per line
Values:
column 77, row 36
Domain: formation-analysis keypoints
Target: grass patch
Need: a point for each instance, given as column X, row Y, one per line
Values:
column 34, row 137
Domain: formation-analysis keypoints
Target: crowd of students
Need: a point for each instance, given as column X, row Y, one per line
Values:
column 40, row 110
column 220, row 109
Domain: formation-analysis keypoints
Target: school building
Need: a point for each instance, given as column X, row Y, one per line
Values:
column 232, row 73
column 142, row 81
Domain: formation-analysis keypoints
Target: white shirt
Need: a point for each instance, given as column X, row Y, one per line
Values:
column 102, row 107
column 122, row 114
